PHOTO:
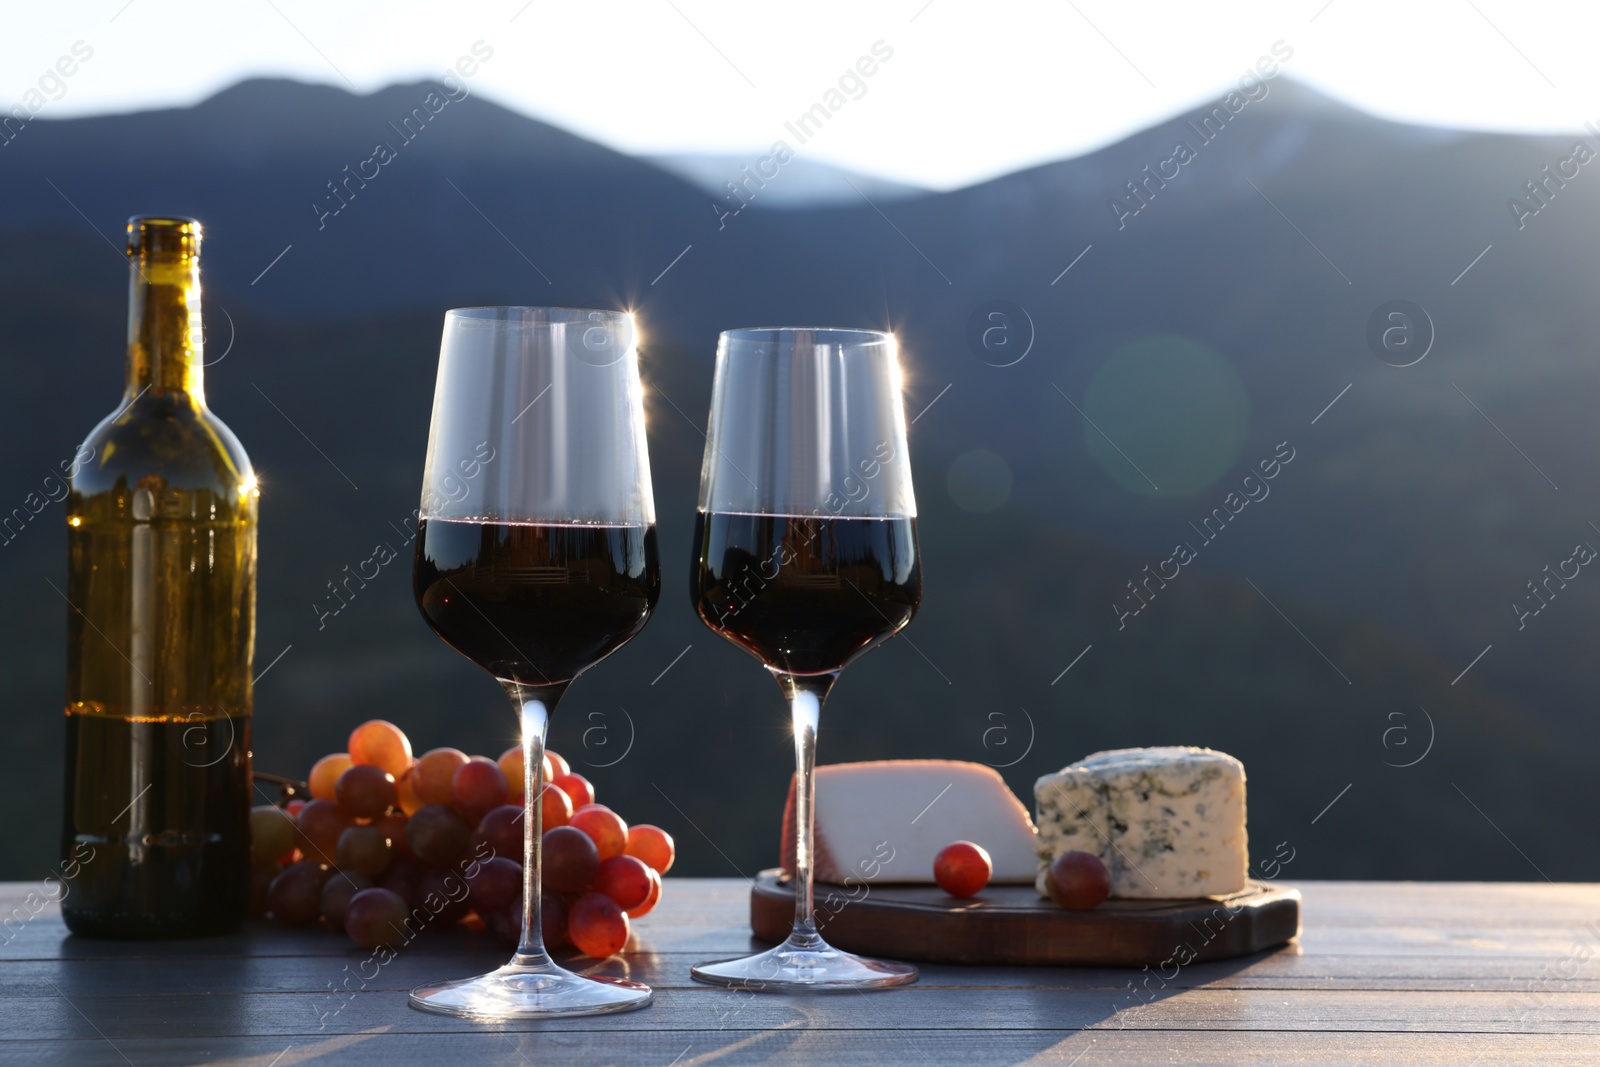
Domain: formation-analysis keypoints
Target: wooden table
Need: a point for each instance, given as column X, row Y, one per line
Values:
column 1396, row 973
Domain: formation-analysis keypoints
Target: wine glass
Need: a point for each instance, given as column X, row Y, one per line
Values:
column 806, row 557
column 536, row 558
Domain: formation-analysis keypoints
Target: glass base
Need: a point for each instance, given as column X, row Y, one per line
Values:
column 529, row 991
column 808, row 966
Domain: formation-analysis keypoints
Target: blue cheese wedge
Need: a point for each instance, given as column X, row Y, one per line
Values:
column 1168, row 823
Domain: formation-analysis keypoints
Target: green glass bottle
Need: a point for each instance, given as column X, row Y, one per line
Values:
column 161, row 577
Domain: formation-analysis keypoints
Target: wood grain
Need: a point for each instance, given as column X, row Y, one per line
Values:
column 1014, row 925
column 1382, row 973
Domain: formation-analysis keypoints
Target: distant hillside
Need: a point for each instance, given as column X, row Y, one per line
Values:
column 796, row 182
column 1176, row 353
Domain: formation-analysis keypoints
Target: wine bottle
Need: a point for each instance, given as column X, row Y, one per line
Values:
column 161, row 580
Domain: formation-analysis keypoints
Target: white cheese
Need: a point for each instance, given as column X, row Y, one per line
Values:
column 1166, row 822
column 885, row 821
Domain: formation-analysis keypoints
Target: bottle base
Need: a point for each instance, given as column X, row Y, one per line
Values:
column 147, row 928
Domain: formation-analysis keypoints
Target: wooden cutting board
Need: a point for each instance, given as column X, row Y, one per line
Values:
column 1012, row 924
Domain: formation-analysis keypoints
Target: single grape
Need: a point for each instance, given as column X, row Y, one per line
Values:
column 577, row 787
column 271, row 834
column 478, row 786
column 294, row 806
column 651, row 901
column 439, row 835
column 406, row 798
column 558, row 766
column 382, row 744
column 431, row 774
column 393, row 826
column 366, row 791
column 605, row 826
column 501, row 830
column 506, row 925
column 625, row 879
column 363, row 849
column 295, row 895
column 336, row 894
column 511, row 766
column 403, row 878
column 325, row 775
column 962, row 869
column 570, row 860
column 556, row 806
column 552, row 920
column 597, row 926
column 653, row 845
column 495, row 885
column 1078, row 881
column 376, row 917
column 443, row 895
column 320, row 823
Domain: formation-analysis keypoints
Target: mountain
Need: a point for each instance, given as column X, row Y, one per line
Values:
column 1332, row 623
column 795, row 183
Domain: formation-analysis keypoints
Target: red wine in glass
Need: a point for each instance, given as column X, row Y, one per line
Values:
column 535, row 602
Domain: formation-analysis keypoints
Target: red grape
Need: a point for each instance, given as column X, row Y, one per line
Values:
column 363, row 849
column 511, row 766
column 556, row 807
column 625, row 879
column 478, row 786
column 962, row 869
column 605, row 826
column 366, row 791
column 393, row 826
column 597, row 926
column 506, row 924
column 570, row 859
column 383, row 744
column 438, row 835
column 1078, row 881
column 558, row 766
column 552, row 920
column 320, row 823
column 653, row 845
column 295, row 806
column 501, row 830
column 325, row 775
column 651, row 901
column 442, row 893
column 495, row 885
column 406, row 798
column 336, row 894
column 431, row 774
column 295, row 895
column 376, row 917
column 403, row 878
column 577, row 787
column 271, row 834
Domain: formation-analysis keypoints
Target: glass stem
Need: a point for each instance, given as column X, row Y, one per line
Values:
column 533, row 704
column 805, row 694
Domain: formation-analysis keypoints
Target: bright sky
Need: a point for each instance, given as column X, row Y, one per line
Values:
column 973, row 88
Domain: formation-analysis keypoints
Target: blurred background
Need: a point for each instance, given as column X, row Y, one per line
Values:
column 1249, row 350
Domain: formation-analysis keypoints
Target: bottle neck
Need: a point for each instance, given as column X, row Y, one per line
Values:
column 165, row 351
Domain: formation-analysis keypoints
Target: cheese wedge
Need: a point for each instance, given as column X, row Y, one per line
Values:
column 1166, row 822
column 885, row 821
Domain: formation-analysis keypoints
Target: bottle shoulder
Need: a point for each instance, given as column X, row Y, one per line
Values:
column 166, row 441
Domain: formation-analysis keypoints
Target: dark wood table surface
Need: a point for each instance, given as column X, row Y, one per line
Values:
column 1384, row 972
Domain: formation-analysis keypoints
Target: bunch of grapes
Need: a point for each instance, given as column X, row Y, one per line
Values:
column 388, row 845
